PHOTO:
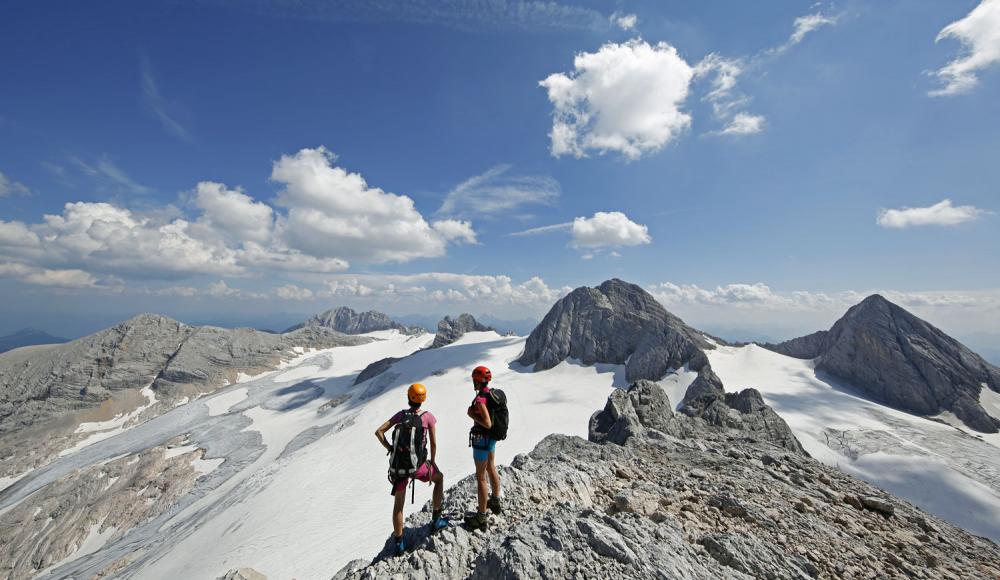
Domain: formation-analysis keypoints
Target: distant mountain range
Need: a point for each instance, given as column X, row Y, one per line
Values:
column 28, row 337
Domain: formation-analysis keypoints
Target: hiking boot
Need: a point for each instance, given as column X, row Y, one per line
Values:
column 438, row 522
column 494, row 504
column 400, row 544
column 477, row 522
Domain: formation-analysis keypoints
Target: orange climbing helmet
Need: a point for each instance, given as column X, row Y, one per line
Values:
column 417, row 393
column 481, row 374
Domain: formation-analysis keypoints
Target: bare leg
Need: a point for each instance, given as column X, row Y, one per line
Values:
column 397, row 513
column 438, row 480
column 481, row 487
column 494, row 476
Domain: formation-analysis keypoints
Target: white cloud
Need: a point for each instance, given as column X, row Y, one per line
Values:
column 495, row 193
column 335, row 214
column 10, row 187
column 461, row 289
column 744, row 124
column 47, row 277
column 232, row 213
column 293, row 292
column 803, row 26
column 568, row 226
column 939, row 214
column 979, row 33
column 456, row 231
column 608, row 230
column 624, row 98
column 793, row 313
column 624, row 21
column 728, row 103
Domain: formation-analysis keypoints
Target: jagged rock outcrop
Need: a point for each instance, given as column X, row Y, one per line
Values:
column 243, row 574
column 451, row 329
column 715, row 503
column 618, row 323
column 346, row 320
column 706, row 407
column 687, row 509
column 375, row 369
column 902, row 361
column 45, row 383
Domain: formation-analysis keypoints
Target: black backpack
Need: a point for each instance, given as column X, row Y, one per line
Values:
column 496, row 404
column 409, row 447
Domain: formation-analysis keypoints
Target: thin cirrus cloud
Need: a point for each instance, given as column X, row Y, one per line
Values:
column 154, row 100
column 629, row 98
column 228, row 233
column 979, row 33
column 942, row 213
column 10, row 187
column 108, row 175
column 498, row 192
column 603, row 230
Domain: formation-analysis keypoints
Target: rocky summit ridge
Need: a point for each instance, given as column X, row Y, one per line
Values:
column 348, row 321
column 618, row 323
column 902, row 361
column 654, row 494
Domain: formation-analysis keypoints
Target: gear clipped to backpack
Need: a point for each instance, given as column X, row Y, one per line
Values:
column 409, row 446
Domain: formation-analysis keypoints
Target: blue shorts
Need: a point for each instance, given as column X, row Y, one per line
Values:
column 484, row 454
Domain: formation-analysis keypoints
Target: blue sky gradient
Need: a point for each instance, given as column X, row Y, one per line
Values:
column 136, row 105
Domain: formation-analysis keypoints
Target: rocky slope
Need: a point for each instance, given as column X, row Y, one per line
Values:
column 346, row 320
column 449, row 330
column 45, row 392
column 902, row 361
column 617, row 323
column 656, row 494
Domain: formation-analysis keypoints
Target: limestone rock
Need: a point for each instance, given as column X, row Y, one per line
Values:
column 449, row 330
column 902, row 361
column 617, row 323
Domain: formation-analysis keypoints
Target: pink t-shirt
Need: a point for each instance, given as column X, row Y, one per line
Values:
column 425, row 417
column 481, row 397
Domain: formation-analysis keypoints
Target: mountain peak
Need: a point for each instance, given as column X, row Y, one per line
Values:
column 619, row 323
column 902, row 361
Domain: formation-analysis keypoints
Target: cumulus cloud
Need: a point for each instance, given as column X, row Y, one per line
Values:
column 47, row 277
column 625, row 98
column 979, row 34
column 757, row 303
column 624, row 21
column 496, row 192
column 10, row 187
column 608, row 230
column 441, row 287
column 233, row 213
column 335, row 214
column 293, row 292
column 455, row 231
column 940, row 214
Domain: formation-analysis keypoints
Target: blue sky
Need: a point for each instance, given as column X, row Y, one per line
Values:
column 234, row 163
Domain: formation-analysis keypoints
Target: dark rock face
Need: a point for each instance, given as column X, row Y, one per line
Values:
column 618, row 323
column 449, row 330
column 346, row 320
column 46, row 382
column 711, row 503
column 902, row 361
column 375, row 369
